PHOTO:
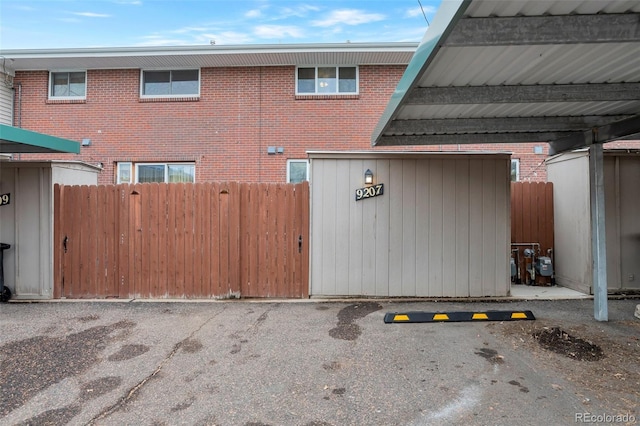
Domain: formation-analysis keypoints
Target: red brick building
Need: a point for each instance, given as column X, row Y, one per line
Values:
column 214, row 113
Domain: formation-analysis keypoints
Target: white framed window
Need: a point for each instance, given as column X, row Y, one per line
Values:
column 326, row 80
column 128, row 172
column 515, row 170
column 124, row 173
column 169, row 83
column 67, row 85
column 297, row 171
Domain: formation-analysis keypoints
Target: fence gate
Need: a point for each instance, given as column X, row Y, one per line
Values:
column 202, row 240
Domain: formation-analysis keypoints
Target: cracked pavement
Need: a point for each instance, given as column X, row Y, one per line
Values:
column 293, row 363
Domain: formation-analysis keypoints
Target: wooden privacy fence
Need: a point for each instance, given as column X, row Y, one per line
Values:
column 531, row 217
column 202, row 240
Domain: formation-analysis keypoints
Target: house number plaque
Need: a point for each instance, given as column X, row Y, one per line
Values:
column 369, row 191
column 5, row 199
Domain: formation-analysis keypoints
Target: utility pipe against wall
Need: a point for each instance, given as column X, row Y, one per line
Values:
column 19, row 105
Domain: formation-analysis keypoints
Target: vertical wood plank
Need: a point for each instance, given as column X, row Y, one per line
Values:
column 214, row 267
column 225, row 285
column 124, row 227
column 199, row 241
column 89, row 249
column 136, row 235
column 153, row 217
column 244, row 240
column 234, row 237
column 189, row 239
column 165, row 240
column 180, row 253
column 304, row 231
column 58, row 236
column 281, row 232
column 97, row 217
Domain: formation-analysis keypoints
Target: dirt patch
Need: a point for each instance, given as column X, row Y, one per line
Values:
column 559, row 341
column 601, row 358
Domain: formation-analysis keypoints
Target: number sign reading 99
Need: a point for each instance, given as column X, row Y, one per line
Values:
column 5, row 199
column 369, row 191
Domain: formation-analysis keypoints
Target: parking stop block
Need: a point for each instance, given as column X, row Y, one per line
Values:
column 412, row 317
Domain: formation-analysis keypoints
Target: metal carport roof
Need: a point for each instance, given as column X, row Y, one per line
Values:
column 21, row 141
column 566, row 72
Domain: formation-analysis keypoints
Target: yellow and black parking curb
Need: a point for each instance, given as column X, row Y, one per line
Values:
column 409, row 317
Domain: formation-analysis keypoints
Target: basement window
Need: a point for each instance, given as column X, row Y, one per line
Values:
column 326, row 80
column 67, row 85
column 170, row 83
column 155, row 172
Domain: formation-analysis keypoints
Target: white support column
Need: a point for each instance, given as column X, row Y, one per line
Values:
column 598, row 236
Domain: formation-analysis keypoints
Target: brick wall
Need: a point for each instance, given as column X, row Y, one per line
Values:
column 240, row 112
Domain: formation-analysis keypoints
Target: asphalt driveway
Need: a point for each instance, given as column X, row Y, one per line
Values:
column 310, row 363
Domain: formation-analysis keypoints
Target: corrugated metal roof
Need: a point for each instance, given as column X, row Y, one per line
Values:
column 211, row 56
column 531, row 49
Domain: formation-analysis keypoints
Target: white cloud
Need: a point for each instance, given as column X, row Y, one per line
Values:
column 348, row 17
column 277, row 31
column 92, row 15
column 418, row 11
column 255, row 13
column 299, row 11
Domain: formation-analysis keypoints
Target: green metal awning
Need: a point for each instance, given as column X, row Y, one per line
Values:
column 14, row 140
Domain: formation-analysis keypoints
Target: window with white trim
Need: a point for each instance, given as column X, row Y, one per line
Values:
column 67, row 85
column 170, row 83
column 297, row 171
column 515, row 170
column 326, row 80
column 155, row 172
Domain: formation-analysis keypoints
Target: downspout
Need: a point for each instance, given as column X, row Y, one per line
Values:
column 19, row 105
column 19, row 108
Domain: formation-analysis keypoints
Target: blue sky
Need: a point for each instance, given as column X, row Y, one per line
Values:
column 46, row 24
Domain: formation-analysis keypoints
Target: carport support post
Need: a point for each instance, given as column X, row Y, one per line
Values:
column 598, row 236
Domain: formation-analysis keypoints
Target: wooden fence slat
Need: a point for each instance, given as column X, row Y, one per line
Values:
column 58, row 248
column 234, row 243
column 123, row 241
